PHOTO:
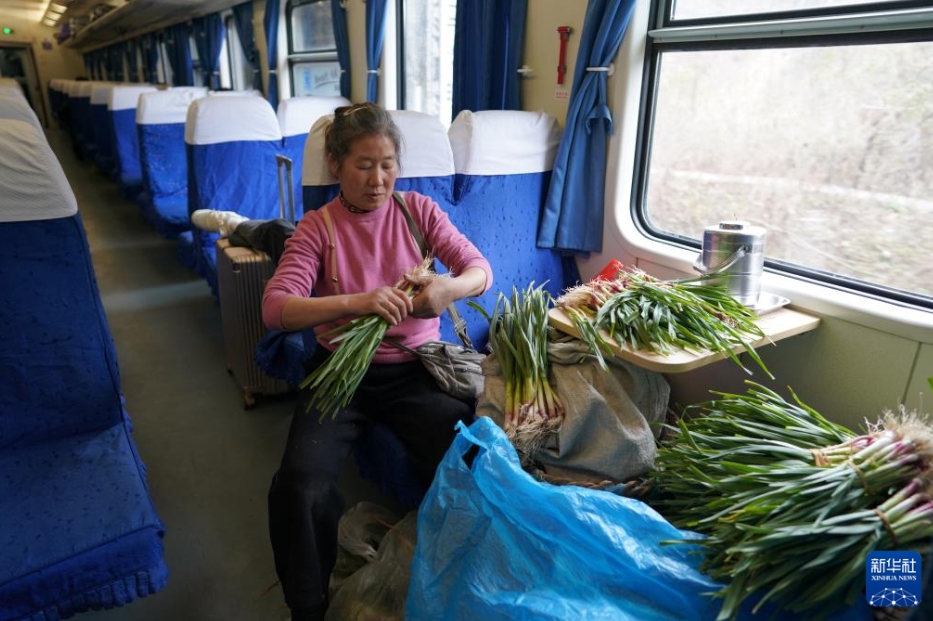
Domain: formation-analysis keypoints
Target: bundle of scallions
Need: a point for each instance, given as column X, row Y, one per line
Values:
column 518, row 327
column 335, row 381
column 639, row 311
column 791, row 503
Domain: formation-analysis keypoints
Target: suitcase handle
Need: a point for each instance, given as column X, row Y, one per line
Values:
column 282, row 161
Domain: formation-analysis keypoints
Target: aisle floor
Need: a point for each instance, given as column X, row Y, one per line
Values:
column 209, row 460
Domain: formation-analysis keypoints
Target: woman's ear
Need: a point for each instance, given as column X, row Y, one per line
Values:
column 333, row 165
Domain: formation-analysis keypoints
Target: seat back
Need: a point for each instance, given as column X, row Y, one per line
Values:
column 121, row 109
column 427, row 164
column 296, row 117
column 160, row 123
column 81, row 126
column 503, row 161
column 58, row 361
column 231, row 145
column 101, row 127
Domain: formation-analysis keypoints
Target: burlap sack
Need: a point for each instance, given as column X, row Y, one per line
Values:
column 611, row 417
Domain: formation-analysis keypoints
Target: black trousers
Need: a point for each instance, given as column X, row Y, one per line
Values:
column 266, row 235
column 304, row 502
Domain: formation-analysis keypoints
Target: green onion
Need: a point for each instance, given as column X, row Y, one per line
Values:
column 790, row 503
column 334, row 383
column 638, row 311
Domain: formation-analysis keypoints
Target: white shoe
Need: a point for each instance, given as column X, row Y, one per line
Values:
column 223, row 222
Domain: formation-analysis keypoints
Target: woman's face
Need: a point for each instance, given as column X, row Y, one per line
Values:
column 367, row 175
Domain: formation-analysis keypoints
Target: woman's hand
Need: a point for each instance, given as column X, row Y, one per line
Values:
column 390, row 303
column 434, row 298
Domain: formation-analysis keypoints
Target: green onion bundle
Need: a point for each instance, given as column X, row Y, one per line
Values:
column 642, row 312
column 334, row 383
column 518, row 337
column 792, row 504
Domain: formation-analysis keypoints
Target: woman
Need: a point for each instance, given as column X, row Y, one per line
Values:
column 350, row 252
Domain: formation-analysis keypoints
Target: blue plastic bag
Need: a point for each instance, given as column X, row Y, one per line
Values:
column 495, row 544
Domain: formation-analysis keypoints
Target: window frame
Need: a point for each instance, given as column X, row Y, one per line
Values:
column 294, row 58
column 704, row 39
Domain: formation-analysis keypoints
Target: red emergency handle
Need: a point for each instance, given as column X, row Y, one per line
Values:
column 564, row 32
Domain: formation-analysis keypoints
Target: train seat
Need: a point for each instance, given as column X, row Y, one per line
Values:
column 160, row 124
column 78, row 529
column 121, row 108
column 296, row 117
column 82, row 122
column 101, row 127
column 231, row 144
column 503, row 162
column 13, row 106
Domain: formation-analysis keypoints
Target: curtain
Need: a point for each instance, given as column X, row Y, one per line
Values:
column 132, row 58
column 572, row 219
column 342, row 40
column 270, row 22
column 375, row 33
column 243, row 18
column 89, row 66
column 116, row 62
column 178, row 45
column 487, row 54
column 150, row 43
column 209, row 35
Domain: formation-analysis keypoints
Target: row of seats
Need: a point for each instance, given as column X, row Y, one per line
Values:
column 78, row 530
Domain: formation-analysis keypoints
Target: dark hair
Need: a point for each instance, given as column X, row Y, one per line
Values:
column 358, row 121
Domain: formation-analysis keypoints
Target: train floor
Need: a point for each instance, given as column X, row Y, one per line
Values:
column 209, row 461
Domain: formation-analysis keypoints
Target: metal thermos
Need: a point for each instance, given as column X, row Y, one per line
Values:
column 734, row 255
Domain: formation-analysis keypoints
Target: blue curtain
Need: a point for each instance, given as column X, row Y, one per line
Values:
column 270, row 22
column 178, row 45
column 488, row 54
column 375, row 33
column 209, row 36
column 343, row 45
column 132, row 66
column 116, row 62
column 243, row 18
column 572, row 219
column 150, row 44
column 89, row 66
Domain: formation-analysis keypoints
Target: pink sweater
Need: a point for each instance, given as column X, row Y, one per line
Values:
column 372, row 250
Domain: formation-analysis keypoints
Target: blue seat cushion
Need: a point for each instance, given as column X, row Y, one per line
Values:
column 77, row 530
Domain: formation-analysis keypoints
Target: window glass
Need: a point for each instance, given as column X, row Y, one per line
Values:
column 428, row 29
column 312, row 49
column 196, row 69
column 828, row 148
column 694, row 9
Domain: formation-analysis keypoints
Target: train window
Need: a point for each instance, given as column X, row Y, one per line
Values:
column 240, row 76
column 196, row 69
column 164, row 67
column 426, row 50
column 700, row 9
column 312, row 49
column 821, row 138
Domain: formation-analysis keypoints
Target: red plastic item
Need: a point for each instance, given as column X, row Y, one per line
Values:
column 611, row 271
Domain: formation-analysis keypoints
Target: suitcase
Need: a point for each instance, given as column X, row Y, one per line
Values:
column 242, row 274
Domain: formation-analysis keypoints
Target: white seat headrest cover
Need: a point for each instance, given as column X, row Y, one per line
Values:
column 251, row 92
column 314, row 169
column 9, row 82
column 425, row 148
column 298, row 114
column 100, row 94
column 212, row 120
column 12, row 91
column 164, row 107
column 127, row 97
column 85, row 88
column 32, row 182
column 14, row 106
column 504, row 142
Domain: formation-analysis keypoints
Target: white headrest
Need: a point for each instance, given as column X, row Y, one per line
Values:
column 14, row 106
column 252, row 92
column 314, row 170
column 163, row 107
column 212, row 120
column 85, row 88
column 100, row 94
column 32, row 182
column 127, row 97
column 9, row 82
column 504, row 142
column 13, row 91
column 56, row 84
column 425, row 148
column 298, row 114
column 71, row 87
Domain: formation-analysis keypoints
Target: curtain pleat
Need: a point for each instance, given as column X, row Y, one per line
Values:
column 270, row 22
column 209, row 36
column 342, row 40
column 375, row 35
